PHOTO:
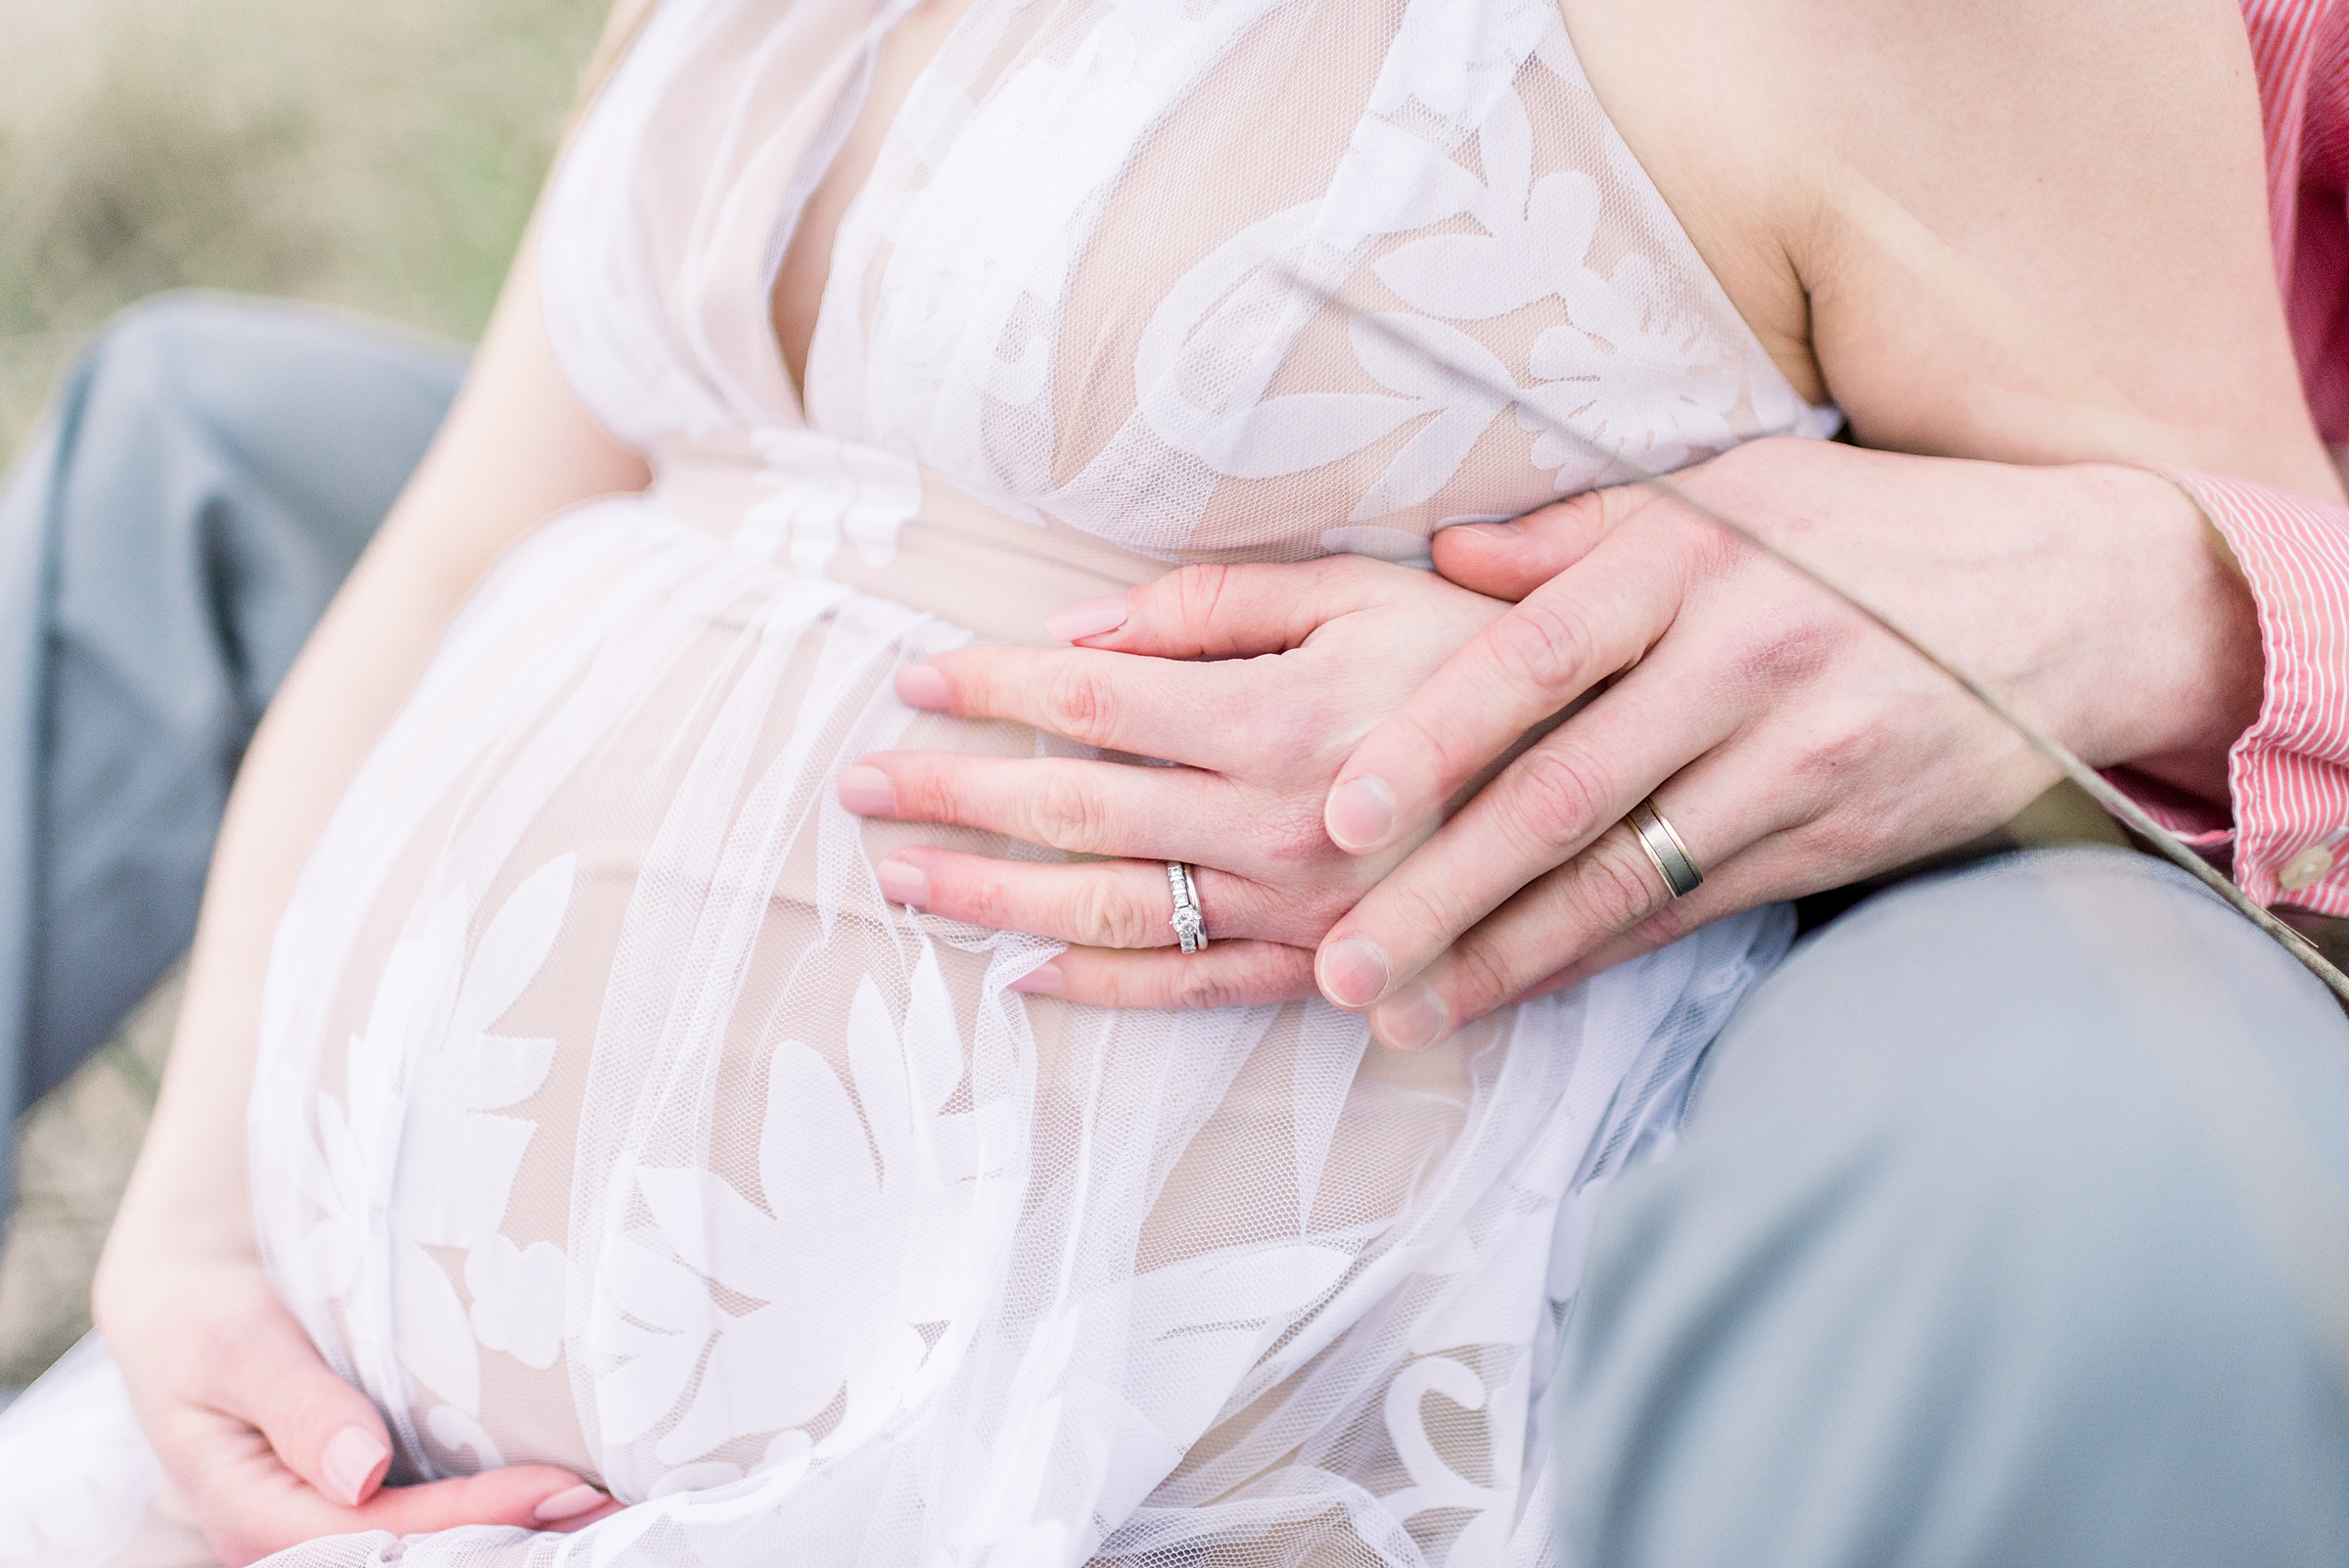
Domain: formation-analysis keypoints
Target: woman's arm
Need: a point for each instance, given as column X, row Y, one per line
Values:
column 2010, row 231
column 179, row 1292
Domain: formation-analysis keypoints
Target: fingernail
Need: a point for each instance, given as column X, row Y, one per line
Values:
column 1411, row 1020
column 922, row 686
column 348, row 1461
column 867, row 792
column 1496, row 530
column 1353, row 972
column 568, row 1504
column 1044, row 980
column 1361, row 813
column 1089, row 619
column 901, row 883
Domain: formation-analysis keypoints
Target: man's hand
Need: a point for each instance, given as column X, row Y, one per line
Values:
column 1258, row 679
column 1793, row 744
column 269, row 1447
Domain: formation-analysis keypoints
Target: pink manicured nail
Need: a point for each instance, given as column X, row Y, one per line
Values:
column 349, row 1460
column 1044, row 980
column 1088, row 618
column 568, row 1504
column 1412, row 1019
column 922, row 686
column 903, row 883
column 1361, row 813
column 1353, row 972
column 867, row 792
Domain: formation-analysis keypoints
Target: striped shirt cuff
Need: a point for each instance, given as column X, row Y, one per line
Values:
column 2288, row 774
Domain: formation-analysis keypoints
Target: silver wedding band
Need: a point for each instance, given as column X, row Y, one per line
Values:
column 1191, row 921
column 1663, row 845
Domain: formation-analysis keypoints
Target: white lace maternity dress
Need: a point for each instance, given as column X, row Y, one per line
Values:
column 607, row 1116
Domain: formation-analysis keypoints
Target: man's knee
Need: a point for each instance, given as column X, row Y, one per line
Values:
column 1949, row 997
column 220, row 464
column 253, row 371
column 141, row 357
column 1997, row 1217
column 214, row 469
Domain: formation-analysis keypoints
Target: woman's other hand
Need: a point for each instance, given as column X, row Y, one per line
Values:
column 1793, row 744
column 266, row 1445
column 1258, row 679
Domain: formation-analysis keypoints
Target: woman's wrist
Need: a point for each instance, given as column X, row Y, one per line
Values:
column 188, row 1207
column 156, row 1242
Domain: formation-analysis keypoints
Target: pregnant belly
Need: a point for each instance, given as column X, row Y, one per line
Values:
column 607, row 1116
column 588, row 909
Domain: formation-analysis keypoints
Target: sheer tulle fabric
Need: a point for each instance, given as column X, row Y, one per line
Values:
column 608, row 1116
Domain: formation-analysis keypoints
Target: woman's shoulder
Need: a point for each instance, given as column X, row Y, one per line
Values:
column 2058, row 213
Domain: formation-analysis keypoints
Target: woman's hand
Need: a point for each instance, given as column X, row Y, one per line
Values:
column 1792, row 744
column 1258, row 679
column 266, row 1445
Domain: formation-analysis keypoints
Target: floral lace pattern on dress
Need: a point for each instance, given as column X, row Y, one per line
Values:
column 859, row 1250
column 606, row 1113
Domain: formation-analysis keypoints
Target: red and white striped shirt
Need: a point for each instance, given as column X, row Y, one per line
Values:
column 2289, row 772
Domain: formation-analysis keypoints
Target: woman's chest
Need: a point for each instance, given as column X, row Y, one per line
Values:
column 1248, row 279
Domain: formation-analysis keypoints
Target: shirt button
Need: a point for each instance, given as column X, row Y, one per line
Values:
column 2305, row 869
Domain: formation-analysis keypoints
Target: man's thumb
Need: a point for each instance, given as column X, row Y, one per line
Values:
column 1510, row 560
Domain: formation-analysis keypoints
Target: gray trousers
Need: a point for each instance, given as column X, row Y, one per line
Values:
column 210, row 471
column 2010, row 1225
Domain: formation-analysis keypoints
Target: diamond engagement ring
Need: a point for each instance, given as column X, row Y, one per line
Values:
column 1664, row 848
column 1191, row 921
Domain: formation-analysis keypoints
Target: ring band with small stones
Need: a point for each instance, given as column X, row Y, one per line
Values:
column 1191, row 921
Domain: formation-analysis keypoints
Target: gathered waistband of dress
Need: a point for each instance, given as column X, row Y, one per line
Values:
column 891, row 528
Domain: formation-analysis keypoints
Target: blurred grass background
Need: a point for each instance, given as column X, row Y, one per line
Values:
column 380, row 155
